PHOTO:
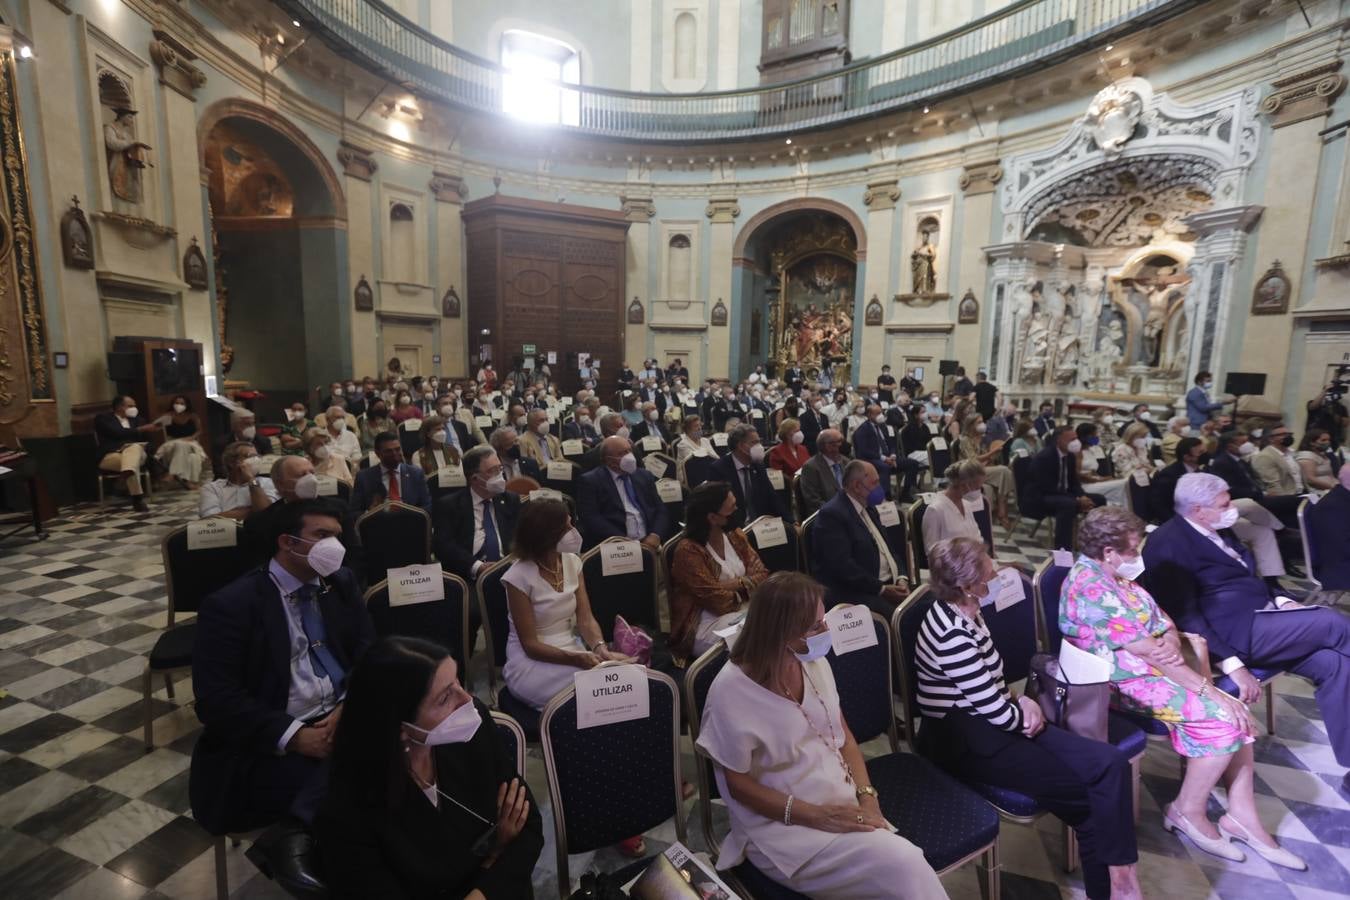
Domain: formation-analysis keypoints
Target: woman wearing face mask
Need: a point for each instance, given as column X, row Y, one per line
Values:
column 790, row 454
column 856, row 418
column 998, row 476
column 293, row 432
column 1089, row 466
column 693, row 442
column 436, row 453
column 424, row 799
column 1104, row 611
column 182, row 454
column 1131, row 453
column 404, row 408
column 376, row 422
column 714, row 571
column 1024, row 440
column 319, row 449
column 951, row 513
column 977, row 730
column 1315, row 461
column 803, row 810
column 632, row 411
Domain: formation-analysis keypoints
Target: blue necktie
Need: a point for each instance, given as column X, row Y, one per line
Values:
column 311, row 620
column 492, row 547
column 838, row 474
column 632, row 496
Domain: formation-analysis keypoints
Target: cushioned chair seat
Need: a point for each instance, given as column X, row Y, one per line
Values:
column 522, row 712
column 1011, row 802
column 762, row 887
column 1226, row 684
column 934, row 811
column 1126, row 735
column 173, row 649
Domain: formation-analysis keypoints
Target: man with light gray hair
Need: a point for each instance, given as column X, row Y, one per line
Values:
column 1207, row 581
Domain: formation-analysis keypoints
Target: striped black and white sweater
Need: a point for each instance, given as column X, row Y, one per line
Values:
column 959, row 669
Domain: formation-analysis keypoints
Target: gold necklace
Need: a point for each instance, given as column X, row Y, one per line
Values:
column 553, row 576
column 831, row 742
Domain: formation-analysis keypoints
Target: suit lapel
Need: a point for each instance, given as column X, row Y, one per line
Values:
column 274, row 625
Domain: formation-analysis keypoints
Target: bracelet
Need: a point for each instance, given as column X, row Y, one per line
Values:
column 597, row 646
column 787, row 811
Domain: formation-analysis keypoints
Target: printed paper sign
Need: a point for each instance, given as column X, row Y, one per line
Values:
column 756, row 413
column 669, row 490
column 451, row 477
column 327, row 485
column 573, row 447
column 770, row 532
column 483, row 421
column 610, row 694
column 776, row 479
column 1007, row 589
column 552, row 416
column 932, row 428
column 938, row 443
column 888, row 513
column 1141, row 477
column 851, row 629
column 1062, row 558
column 498, row 415
column 620, row 558
column 656, row 465
column 559, row 471
column 719, row 439
column 1021, row 453
column 545, row 494
column 651, row 443
column 412, row 424
column 207, row 534
column 415, row 584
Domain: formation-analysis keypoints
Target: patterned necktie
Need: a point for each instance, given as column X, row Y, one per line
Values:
column 311, row 622
column 394, row 489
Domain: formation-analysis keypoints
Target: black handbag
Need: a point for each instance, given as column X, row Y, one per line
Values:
column 1080, row 708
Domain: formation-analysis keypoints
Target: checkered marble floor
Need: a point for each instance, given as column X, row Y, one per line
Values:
column 86, row 813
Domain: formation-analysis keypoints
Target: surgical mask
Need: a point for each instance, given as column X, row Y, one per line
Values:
column 457, row 728
column 522, row 421
column 1146, row 416
column 570, row 542
column 876, row 496
column 254, row 465
column 817, row 647
column 447, row 411
column 981, row 428
column 541, row 429
column 1093, row 441
column 495, row 485
column 1131, row 568
column 878, row 418
column 583, row 420
column 973, row 498
column 1139, row 443
column 131, row 412
column 438, row 437
column 628, row 463
column 696, row 435
column 340, row 425
column 325, row 556
column 1227, row 519
column 428, row 396
column 180, row 408
column 1247, row 449
column 653, row 415
column 622, row 432
column 798, row 437
column 248, row 433
column 402, row 398
column 307, row 486
column 321, row 452
column 757, row 453
column 1207, row 384
column 1075, row 446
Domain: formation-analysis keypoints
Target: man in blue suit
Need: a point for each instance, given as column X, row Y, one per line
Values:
column 392, row 479
column 871, row 444
column 1054, row 488
column 1208, row 582
column 743, row 469
column 1328, row 522
column 852, row 555
column 618, row 499
column 1198, row 404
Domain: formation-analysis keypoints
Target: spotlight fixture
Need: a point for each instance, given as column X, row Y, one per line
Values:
column 925, row 110
column 25, row 52
column 788, row 141
column 295, row 22
column 1108, row 48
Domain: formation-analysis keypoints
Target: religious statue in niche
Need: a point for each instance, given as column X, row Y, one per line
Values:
column 968, row 312
column 365, row 297
column 1065, row 368
column 450, row 304
column 1271, row 296
column 872, row 315
column 77, row 242
column 718, row 316
column 194, row 266
column 127, row 156
column 923, row 261
column 635, row 312
column 1035, row 339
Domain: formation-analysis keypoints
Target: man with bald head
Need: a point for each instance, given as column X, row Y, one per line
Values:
column 611, row 425
column 822, row 476
column 619, row 499
column 536, row 442
column 293, row 479
column 853, row 554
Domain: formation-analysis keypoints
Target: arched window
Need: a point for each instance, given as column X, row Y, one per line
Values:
column 402, row 243
column 535, row 67
column 686, row 45
column 678, row 265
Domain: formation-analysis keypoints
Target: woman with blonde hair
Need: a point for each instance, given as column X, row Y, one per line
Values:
column 790, row 454
column 435, row 454
column 1131, row 454
column 802, row 808
column 996, row 475
column 318, row 444
column 951, row 512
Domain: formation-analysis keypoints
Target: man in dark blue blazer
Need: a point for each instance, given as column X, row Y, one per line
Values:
column 474, row 527
column 812, row 419
column 1163, row 485
column 1208, row 582
column 1053, row 487
column 1230, row 464
column 619, row 499
column 1328, row 522
column 271, row 655
column 871, row 444
column 372, row 486
column 847, row 538
column 744, row 464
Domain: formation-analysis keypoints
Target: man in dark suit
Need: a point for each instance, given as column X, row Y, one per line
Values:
column 822, row 476
column 743, row 468
column 1230, row 464
column 506, row 443
column 581, row 428
column 650, row 426
column 269, row 665
column 726, row 407
column 1328, row 522
column 872, row 444
column 1053, row 487
column 794, row 378
column 619, row 499
column 812, row 419
column 120, row 435
column 611, row 425
column 474, row 527
column 1045, row 419
column 1140, row 413
column 1164, row 482
column 392, row 479
column 1207, row 581
column 852, row 554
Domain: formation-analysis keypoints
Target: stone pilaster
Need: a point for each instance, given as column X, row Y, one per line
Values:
column 722, row 213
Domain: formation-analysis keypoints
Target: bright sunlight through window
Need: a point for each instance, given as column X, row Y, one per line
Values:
column 535, row 65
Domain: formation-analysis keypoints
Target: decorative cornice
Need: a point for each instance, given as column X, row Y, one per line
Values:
column 981, row 177
column 448, row 188
column 357, row 161
column 723, row 210
column 1303, row 95
column 1217, row 221
column 882, row 194
column 637, row 208
column 935, row 328
column 174, row 60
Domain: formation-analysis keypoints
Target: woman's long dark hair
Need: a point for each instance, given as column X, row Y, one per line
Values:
column 383, row 692
column 541, row 525
column 704, row 500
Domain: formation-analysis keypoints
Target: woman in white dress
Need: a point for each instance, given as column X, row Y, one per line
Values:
column 553, row 632
column 951, row 513
column 1113, row 489
column 796, row 788
column 692, row 442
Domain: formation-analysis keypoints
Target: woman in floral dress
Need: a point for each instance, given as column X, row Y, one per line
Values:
column 1105, row 612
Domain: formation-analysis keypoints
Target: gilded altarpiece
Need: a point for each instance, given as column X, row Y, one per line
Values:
column 814, row 267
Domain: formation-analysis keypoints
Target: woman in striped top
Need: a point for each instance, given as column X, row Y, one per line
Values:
column 974, row 727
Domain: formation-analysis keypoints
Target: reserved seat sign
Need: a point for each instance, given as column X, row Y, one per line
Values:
column 620, row 558
column 850, row 628
column 610, row 694
column 415, row 584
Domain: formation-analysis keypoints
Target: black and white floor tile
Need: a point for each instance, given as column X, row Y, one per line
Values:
column 85, row 812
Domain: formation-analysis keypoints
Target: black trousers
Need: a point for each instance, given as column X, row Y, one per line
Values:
column 1085, row 783
column 1064, row 507
column 909, row 470
column 1284, row 508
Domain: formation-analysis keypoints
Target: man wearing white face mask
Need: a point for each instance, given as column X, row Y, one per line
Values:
column 619, row 499
column 242, row 490
column 474, row 528
column 1232, row 463
column 121, row 436
column 537, row 443
column 650, row 426
column 743, row 468
column 269, row 717
column 1054, row 488
column 342, row 436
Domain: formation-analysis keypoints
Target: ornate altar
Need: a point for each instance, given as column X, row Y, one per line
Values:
column 814, row 265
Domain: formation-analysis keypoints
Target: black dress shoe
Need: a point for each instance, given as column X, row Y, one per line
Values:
column 138, row 504
column 285, row 853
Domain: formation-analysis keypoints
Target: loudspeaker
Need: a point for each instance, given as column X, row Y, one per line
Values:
column 1242, row 384
column 126, row 366
column 948, row 366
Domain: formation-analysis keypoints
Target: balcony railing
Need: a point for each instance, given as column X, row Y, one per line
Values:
column 1019, row 38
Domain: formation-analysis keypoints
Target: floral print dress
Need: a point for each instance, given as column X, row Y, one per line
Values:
column 1101, row 614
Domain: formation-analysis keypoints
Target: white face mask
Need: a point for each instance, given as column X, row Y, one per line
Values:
column 1130, row 568
column 340, row 425
column 131, row 412
column 325, row 556
column 622, row 432
column 1075, row 446
column 570, row 542
column 817, row 646
column 495, row 485
column 1227, row 519
column 628, row 463
column 541, row 429
column 438, row 437
column 878, row 418
column 307, row 486
column 757, row 453
column 973, row 498
column 180, row 408
column 981, row 428
column 447, row 411
column 253, row 465
column 1247, row 449
column 583, row 420
column 457, row 728
column 521, row 422
column 798, row 437
column 1146, row 416
column 321, row 452
column 653, row 415
column 248, row 433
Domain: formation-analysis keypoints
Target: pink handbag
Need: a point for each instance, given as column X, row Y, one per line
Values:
column 632, row 641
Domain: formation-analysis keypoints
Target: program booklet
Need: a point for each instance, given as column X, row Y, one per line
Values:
column 678, row 874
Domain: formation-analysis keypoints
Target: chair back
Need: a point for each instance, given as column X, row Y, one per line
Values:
column 785, row 557
column 669, row 470
column 191, row 575
column 905, row 623
column 799, row 499
column 986, row 525
column 674, row 508
column 631, row 594
column 1013, row 631
column 1049, row 587
column 394, row 535
column 444, row 621
column 899, row 537
column 697, row 469
column 863, row 678
column 610, row 782
column 410, row 439
column 1021, row 469
column 698, row 678
column 805, row 538
column 566, row 486
column 915, row 515
column 1312, row 556
column 939, row 460
column 1137, row 498
column 784, row 494
column 512, row 736
column 494, row 612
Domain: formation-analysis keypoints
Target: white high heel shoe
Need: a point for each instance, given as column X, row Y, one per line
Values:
column 1175, row 822
column 1276, row 855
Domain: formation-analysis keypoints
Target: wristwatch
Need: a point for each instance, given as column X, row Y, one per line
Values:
column 867, row 790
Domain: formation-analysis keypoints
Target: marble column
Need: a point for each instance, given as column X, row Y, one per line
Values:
column 450, row 192
column 639, row 209
column 1212, row 295
column 359, row 167
column 721, row 213
column 880, row 198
